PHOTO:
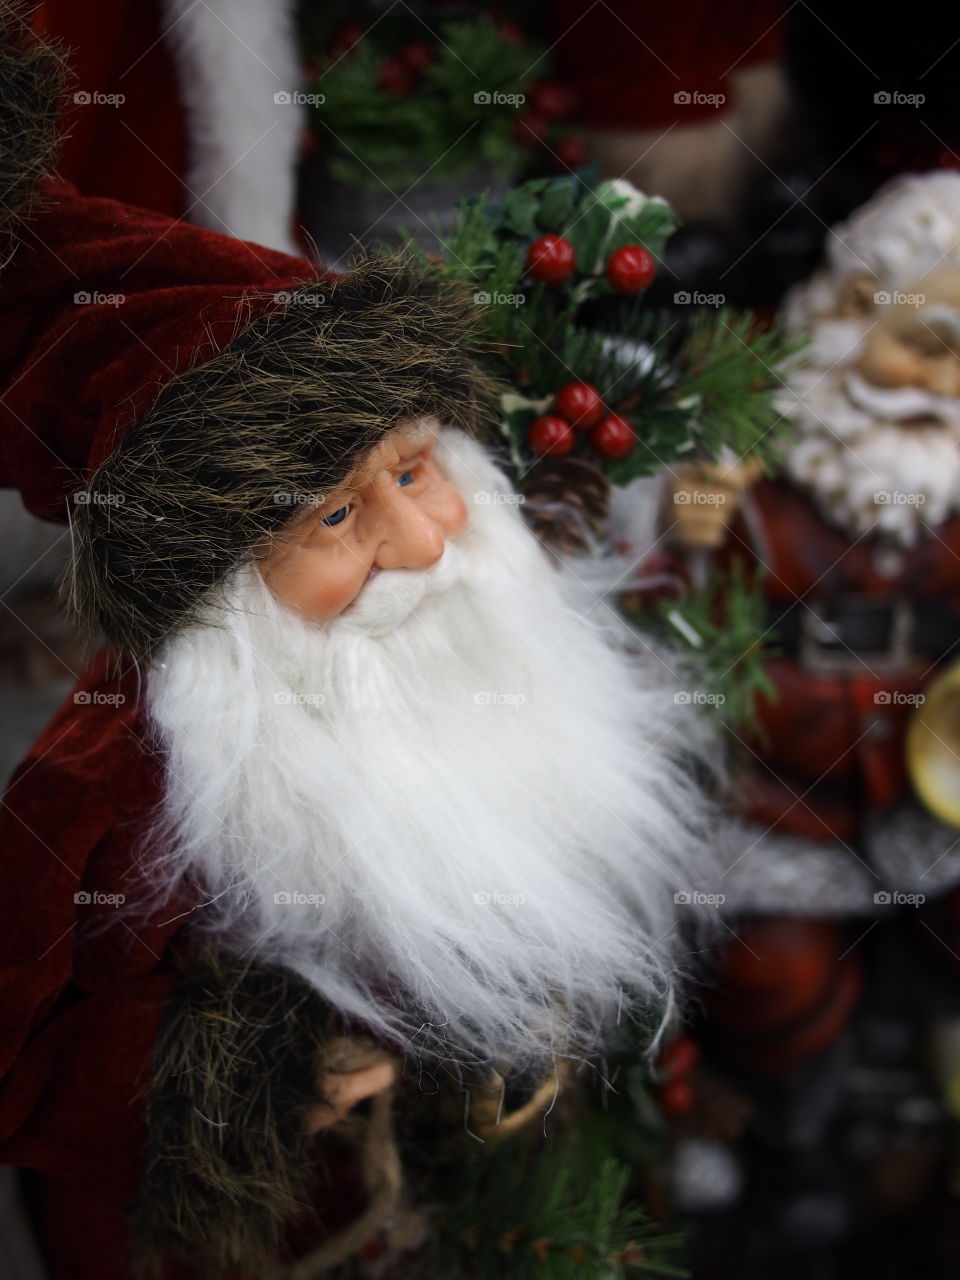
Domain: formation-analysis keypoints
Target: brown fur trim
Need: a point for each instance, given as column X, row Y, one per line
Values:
column 32, row 77
column 233, row 447
column 228, row 1160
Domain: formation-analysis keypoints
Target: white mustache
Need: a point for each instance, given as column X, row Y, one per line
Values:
column 391, row 595
column 896, row 404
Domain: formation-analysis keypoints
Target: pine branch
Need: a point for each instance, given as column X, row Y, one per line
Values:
column 534, row 1214
column 721, row 634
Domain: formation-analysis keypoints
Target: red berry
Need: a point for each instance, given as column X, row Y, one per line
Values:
column 551, row 260
column 580, row 404
column 631, row 269
column 678, row 1058
column 613, row 438
column 553, row 99
column 417, row 55
column 529, row 130
column 550, row 435
column 571, row 153
column 394, row 77
column 676, row 1098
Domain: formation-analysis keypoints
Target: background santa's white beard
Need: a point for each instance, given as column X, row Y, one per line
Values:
column 465, row 825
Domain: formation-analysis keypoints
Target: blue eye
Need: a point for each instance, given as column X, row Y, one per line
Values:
column 337, row 516
column 405, row 479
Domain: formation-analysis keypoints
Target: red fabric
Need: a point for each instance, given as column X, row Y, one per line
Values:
column 84, row 984
column 75, row 375
column 832, row 745
column 134, row 150
column 82, row 991
column 628, row 61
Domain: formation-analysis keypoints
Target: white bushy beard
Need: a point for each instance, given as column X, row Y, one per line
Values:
column 853, row 445
column 457, row 809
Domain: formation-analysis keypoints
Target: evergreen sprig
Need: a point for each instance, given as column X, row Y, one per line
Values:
column 704, row 392
column 372, row 137
column 720, row 633
column 532, row 1214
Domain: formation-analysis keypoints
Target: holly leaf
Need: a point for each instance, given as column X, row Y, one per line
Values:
column 557, row 205
column 518, row 212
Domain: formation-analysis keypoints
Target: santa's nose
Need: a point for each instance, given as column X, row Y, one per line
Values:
column 411, row 539
column 943, row 377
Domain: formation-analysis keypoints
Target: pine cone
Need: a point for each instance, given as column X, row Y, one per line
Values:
column 566, row 501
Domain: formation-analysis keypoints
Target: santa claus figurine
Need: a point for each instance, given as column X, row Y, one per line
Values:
column 846, row 796
column 365, row 792
column 856, row 545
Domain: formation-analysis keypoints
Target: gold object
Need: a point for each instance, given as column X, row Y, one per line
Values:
column 702, row 498
column 933, row 747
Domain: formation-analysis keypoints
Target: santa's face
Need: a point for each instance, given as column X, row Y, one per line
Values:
column 878, row 407
column 395, row 511
column 456, row 807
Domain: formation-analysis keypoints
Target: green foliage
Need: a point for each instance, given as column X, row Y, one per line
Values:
column 720, row 632
column 372, row 137
column 548, row 1210
column 732, row 371
column 688, row 395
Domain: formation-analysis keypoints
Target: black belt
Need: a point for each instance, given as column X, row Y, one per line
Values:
column 852, row 632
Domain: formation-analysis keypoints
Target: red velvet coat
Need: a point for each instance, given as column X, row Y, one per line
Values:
column 82, row 991
column 85, row 980
column 834, row 750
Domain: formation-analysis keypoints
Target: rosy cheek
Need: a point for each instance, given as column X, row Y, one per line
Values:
column 333, row 590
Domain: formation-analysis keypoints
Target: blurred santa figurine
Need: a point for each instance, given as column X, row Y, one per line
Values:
column 846, row 797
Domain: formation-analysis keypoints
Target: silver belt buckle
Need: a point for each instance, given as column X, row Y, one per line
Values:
column 823, row 651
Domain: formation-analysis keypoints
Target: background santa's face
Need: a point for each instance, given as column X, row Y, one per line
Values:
column 395, row 511
column 914, row 343
column 878, row 405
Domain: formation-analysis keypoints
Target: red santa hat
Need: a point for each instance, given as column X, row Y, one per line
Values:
column 177, row 394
